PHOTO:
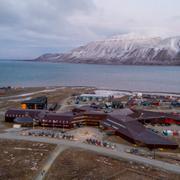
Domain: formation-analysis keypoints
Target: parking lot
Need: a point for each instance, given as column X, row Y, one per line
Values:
column 101, row 143
column 86, row 135
column 47, row 133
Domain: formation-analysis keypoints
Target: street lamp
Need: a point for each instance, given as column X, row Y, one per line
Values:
column 154, row 151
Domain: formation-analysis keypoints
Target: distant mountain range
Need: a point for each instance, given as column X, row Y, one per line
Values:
column 130, row 49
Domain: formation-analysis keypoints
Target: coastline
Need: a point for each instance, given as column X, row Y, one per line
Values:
column 54, row 88
column 92, row 63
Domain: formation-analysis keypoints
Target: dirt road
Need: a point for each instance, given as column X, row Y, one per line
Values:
column 49, row 162
column 104, row 151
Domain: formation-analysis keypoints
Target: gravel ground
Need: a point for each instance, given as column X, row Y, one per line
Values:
column 21, row 160
column 81, row 164
column 84, row 133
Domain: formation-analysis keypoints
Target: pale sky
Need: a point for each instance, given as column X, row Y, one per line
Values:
column 29, row 28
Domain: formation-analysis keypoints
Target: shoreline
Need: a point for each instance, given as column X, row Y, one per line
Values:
column 54, row 88
column 106, row 64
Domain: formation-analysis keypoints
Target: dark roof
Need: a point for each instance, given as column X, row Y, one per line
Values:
column 146, row 136
column 23, row 120
column 59, row 116
column 151, row 114
column 27, row 112
column 123, row 112
column 124, row 125
column 37, row 100
column 134, row 130
column 40, row 114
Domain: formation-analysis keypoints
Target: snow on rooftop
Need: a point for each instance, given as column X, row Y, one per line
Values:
column 111, row 93
column 94, row 95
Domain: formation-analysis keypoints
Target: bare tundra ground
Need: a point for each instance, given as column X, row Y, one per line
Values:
column 21, row 160
column 81, row 164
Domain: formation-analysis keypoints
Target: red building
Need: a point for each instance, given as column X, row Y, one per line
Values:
column 125, row 123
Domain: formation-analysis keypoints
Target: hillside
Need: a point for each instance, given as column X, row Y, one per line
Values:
column 127, row 49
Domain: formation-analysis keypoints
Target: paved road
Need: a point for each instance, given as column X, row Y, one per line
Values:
column 104, row 151
column 58, row 150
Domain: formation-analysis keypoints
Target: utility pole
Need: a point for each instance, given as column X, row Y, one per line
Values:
column 63, row 125
column 43, row 123
column 53, row 124
column 33, row 123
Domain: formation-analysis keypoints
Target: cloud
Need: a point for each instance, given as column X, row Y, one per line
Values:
column 142, row 16
column 26, row 25
column 33, row 27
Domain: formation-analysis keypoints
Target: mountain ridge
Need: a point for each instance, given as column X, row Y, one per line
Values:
column 123, row 49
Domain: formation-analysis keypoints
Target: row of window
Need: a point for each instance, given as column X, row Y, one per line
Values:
column 15, row 115
column 47, row 124
column 44, row 121
column 55, row 121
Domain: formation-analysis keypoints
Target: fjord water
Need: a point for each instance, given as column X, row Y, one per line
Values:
column 144, row 78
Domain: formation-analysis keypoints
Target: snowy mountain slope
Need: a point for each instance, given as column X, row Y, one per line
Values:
column 124, row 49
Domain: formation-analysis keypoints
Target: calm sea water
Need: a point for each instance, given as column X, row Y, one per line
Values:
column 146, row 78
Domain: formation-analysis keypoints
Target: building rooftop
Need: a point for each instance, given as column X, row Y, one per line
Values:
column 38, row 100
column 23, row 120
column 135, row 131
column 94, row 95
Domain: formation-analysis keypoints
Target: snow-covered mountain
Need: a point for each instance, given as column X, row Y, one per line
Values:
column 124, row 49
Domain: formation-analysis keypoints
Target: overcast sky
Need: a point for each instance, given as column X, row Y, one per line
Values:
column 29, row 28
